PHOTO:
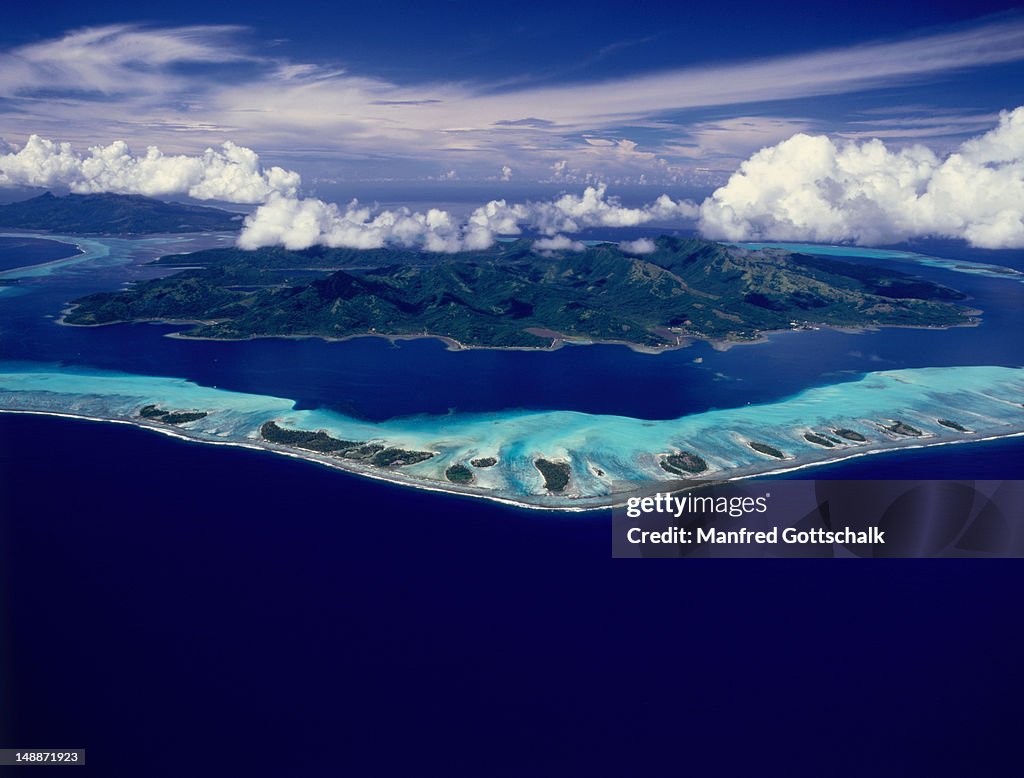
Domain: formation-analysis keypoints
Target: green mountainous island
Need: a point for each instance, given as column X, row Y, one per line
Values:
column 511, row 296
column 114, row 214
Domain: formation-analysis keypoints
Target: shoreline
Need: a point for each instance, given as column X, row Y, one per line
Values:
column 595, row 503
column 558, row 340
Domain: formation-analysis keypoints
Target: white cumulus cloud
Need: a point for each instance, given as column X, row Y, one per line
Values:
column 572, row 213
column 231, row 173
column 639, row 246
column 558, row 243
column 300, row 223
column 811, row 188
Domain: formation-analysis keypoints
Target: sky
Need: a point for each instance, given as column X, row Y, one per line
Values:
column 573, row 94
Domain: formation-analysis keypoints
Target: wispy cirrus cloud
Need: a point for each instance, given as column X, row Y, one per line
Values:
column 715, row 142
column 132, row 82
column 928, row 126
column 116, row 60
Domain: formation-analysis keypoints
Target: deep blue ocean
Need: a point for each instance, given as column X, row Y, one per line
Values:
column 187, row 610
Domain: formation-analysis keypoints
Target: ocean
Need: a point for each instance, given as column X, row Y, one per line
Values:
column 180, row 609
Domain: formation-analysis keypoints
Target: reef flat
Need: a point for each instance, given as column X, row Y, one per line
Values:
column 553, row 459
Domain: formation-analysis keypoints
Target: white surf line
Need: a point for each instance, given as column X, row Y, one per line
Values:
column 432, row 486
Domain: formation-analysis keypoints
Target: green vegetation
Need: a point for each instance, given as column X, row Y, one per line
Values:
column 363, row 450
column 902, row 428
column 168, row 300
column 764, row 448
column 953, row 425
column 511, row 296
column 459, row 474
column 398, row 457
column 484, row 462
column 183, row 417
column 153, row 413
column 556, row 474
column 322, row 443
column 321, row 258
column 683, row 463
column 113, row 214
column 819, row 440
column 850, row 435
column 318, row 441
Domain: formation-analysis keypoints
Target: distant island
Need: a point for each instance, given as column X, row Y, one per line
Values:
column 511, row 296
column 113, row 214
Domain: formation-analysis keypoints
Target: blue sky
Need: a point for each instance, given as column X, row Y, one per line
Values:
column 573, row 92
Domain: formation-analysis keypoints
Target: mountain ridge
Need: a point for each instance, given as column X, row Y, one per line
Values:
column 114, row 214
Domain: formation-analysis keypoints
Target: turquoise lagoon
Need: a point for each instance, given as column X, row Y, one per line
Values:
column 953, row 265
column 610, row 456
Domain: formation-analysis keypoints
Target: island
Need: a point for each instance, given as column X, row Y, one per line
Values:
column 154, row 413
column 849, row 434
column 511, row 296
column 764, row 448
column 902, row 428
column 821, row 440
column 684, row 463
column 459, row 474
column 556, row 474
column 372, row 453
column 114, row 214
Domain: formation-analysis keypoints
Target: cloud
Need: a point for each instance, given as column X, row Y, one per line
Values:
column 639, row 246
column 810, row 188
column 558, row 243
column 158, row 85
column 447, row 108
column 232, row 173
column 300, row 223
column 528, row 122
column 572, row 213
column 739, row 135
column 506, row 173
column 928, row 125
column 116, row 59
